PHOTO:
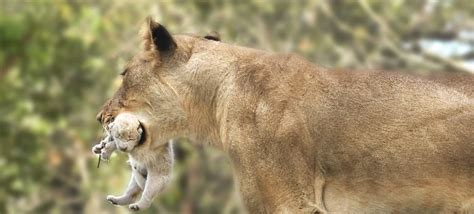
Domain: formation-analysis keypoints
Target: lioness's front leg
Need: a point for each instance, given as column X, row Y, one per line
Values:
column 129, row 194
column 154, row 184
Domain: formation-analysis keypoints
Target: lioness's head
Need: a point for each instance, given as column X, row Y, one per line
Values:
column 147, row 90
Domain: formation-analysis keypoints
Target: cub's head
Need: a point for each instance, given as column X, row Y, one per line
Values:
column 150, row 83
column 126, row 131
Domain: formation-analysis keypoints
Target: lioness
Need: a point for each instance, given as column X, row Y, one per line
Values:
column 303, row 138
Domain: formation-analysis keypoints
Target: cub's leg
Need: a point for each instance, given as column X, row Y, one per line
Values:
column 154, row 184
column 97, row 149
column 140, row 177
column 105, row 148
column 108, row 149
column 127, row 197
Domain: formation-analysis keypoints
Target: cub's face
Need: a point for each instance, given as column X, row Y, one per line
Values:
column 126, row 132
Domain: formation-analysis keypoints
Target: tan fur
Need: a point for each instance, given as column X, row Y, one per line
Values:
column 303, row 138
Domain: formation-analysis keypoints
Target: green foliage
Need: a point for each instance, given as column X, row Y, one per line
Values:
column 59, row 62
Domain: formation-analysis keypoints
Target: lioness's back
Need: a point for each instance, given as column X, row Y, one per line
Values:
column 386, row 136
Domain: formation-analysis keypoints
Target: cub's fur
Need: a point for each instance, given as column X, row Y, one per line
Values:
column 124, row 134
column 150, row 175
column 151, row 170
column 303, row 138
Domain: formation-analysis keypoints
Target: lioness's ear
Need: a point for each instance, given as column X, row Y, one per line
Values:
column 157, row 37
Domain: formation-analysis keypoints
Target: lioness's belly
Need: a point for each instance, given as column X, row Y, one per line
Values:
column 388, row 196
column 427, row 169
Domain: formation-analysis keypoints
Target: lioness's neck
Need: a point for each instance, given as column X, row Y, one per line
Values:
column 205, row 88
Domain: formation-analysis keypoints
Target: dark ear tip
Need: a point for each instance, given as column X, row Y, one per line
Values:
column 213, row 36
column 160, row 37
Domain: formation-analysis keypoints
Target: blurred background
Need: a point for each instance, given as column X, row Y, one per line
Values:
column 59, row 62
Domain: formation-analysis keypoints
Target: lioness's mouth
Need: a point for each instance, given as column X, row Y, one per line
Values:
column 144, row 134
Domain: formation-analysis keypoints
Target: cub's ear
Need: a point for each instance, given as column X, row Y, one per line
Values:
column 156, row 37
column 213, row 35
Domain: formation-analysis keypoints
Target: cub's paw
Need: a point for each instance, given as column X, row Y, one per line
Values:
column 97, row 149
column 113, row 200
column 120, row 200
column 134, row 207
column 104, row 155
column 139, row 206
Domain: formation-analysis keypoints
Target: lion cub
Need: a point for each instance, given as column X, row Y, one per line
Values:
column 151, row 167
